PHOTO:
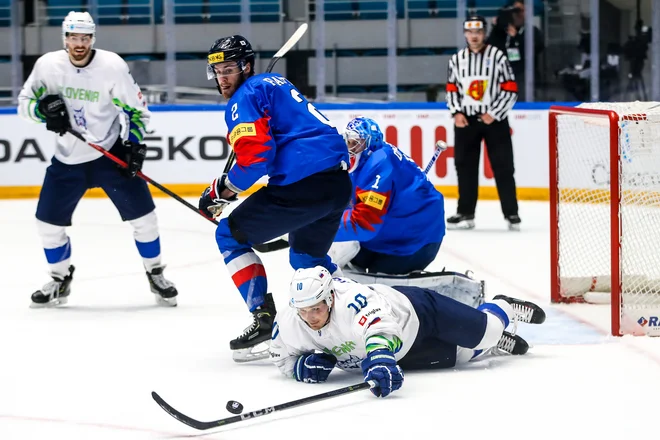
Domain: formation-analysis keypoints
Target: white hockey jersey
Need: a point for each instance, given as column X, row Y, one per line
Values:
column 101, row 98
column 362, row 315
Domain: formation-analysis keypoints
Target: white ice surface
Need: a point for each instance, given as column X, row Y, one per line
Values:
column 86, row 370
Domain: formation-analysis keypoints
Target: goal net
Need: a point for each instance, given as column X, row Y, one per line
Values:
column 605, row 210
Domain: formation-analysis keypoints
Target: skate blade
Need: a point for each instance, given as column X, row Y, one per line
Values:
column 513, row 227
column 50, row 304
column 251, row 354
column 165, row 302
column 465, row 224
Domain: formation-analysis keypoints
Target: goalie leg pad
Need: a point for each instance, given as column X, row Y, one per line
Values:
column 455, row 285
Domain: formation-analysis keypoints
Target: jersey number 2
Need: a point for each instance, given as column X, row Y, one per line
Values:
column 295, row 94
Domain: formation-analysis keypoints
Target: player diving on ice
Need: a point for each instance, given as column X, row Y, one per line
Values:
column 382, row 331
column 93, row 91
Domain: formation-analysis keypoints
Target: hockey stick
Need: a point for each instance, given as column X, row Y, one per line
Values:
column 258, row 413
column 440, row 146
column 266, row 247
column 297, row 35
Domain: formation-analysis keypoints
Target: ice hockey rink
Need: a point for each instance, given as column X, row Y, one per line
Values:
column 86, row 370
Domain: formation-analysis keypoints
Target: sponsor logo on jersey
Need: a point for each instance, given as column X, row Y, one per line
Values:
column 218, row 57
column 477, row 89
column 243, row 129
column 362, row 320
column 373, row 199
column 81, row 94
column 340, row 349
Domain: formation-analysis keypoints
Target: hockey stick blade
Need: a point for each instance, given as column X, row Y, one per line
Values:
column 202, row 426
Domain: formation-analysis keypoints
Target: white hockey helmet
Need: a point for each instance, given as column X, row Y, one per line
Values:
column 78, row 23
column 311, row 286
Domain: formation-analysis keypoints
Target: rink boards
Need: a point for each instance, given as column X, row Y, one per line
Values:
column 187, row 146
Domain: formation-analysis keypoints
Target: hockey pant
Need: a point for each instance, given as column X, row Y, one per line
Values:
column 63, row 187
column 308, row 210
column 451, row 333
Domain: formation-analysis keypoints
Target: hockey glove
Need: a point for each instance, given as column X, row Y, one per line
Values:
column 53, row 109
column 134, row 157
column 380, row 366
column 314, row 368
column 210, row 200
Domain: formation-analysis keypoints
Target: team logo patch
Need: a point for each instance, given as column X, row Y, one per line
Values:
column 373, row 199
column 244, row 129
column 218, row 57
column 79, row 117
column 477, row 89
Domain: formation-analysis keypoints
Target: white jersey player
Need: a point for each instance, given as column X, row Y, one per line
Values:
column 382, row 330
column 90, row 91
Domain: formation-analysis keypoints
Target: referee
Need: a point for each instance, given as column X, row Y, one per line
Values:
column 481, row 90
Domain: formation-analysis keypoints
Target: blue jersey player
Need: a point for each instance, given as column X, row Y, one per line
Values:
column 274, row 131
column 395, row 224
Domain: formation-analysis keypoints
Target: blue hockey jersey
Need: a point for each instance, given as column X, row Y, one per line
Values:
column 395, row 210
column 274, row 130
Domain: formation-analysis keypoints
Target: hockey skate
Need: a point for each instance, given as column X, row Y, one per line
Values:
column 513, row 221
column 526, row 311
column 54, row 293
column 510, row 343
column 245, row 346
column 162, row 288
column 460, row 221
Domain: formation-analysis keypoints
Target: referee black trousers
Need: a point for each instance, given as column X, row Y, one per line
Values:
column 467, row 151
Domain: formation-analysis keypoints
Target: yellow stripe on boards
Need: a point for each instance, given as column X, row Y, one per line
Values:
column 195, row 190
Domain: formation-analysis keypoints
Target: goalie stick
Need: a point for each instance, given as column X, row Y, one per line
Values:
column 266, row 247
column 258, row 413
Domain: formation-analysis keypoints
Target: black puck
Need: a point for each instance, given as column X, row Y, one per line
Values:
column 234, row 407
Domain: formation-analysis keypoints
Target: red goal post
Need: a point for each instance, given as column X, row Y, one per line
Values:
column 605, row 210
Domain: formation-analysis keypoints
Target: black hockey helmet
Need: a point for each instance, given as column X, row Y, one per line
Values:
column 233, row 48
column 475, row 22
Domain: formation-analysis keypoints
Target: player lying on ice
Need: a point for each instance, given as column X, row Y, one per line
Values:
column 381, row 330
column 396, row 220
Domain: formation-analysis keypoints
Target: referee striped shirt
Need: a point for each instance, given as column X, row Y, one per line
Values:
column 481, row 82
